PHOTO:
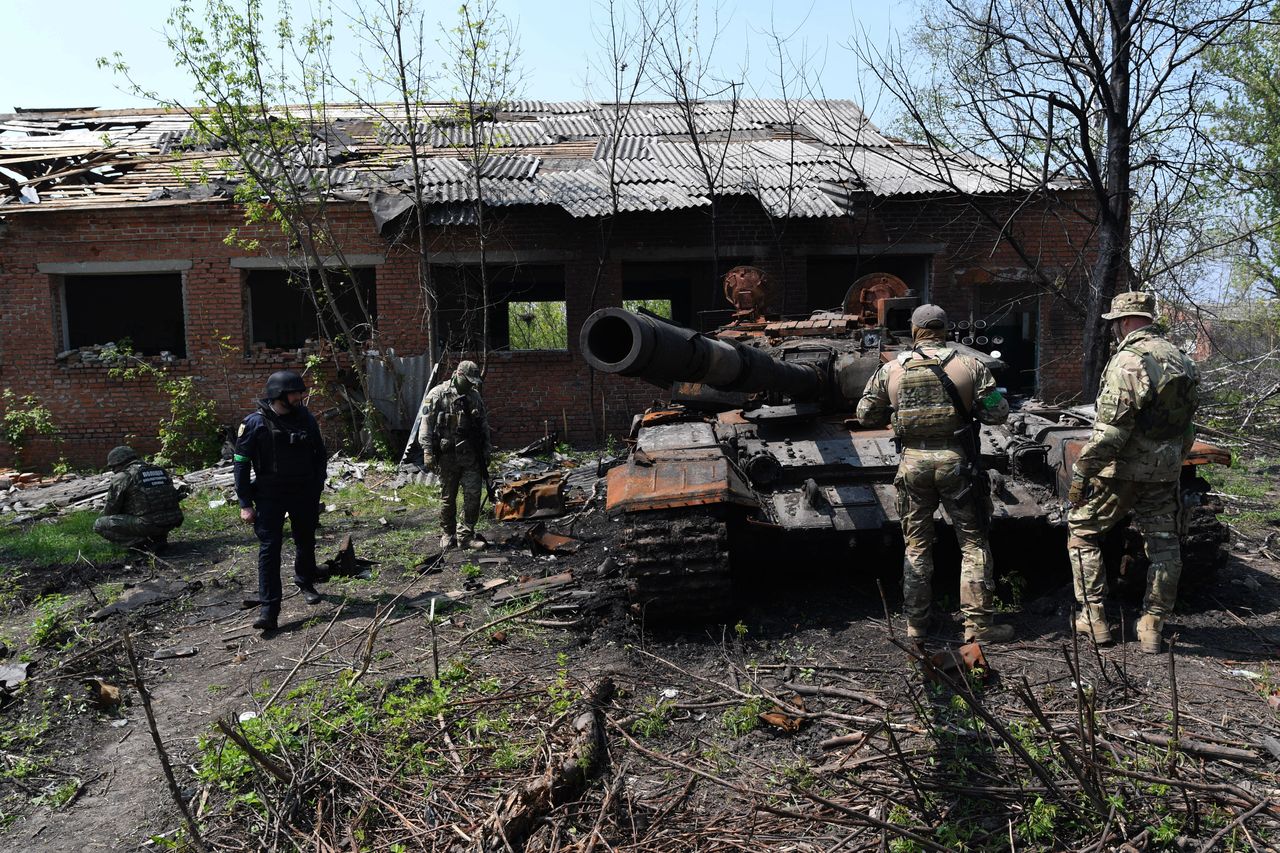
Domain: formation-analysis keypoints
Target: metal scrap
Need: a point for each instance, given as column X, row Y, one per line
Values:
column 541, row 539
column 539, row 496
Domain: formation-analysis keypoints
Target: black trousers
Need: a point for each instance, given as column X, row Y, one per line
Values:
column 304, row 516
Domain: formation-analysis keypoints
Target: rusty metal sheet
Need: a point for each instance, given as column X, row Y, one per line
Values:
column 671, row 483
column 1205, row 453
column 541, row 496
column 552, row 543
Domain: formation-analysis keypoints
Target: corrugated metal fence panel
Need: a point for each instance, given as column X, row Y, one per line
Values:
column 396, row 386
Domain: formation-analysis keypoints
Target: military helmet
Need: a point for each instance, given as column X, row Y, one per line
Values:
column 469, row 371
column 282, row 382
column 119, row 456
column 1134, row 303
column 929, row 317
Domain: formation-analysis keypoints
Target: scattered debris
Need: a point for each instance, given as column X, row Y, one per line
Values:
column 145, row 593
column 178, row 652
column 528, row 586
column 539, row 496
column 105, row 696
column 345, row 564
column 967, row 658
column 782, row 716
column 540, row 539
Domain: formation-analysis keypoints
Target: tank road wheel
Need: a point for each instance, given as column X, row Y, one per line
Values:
column 676, row 567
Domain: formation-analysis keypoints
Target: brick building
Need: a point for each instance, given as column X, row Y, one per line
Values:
column 114, row 225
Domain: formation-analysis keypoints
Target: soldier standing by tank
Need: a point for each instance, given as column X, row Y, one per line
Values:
column 930, row 421
column 1132, row 461
column 142, row 503
column 280, row 445
column 455, row 438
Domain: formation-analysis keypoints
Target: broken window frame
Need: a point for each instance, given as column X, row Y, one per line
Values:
column 139, row 344
column 461, row 325
column 363, row 327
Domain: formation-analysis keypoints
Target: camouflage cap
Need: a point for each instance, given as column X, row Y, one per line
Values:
column 470, row 371
column 121, row 455
column 929, row 317
column 1133, row 303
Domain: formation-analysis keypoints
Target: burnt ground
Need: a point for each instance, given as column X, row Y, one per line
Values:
column 1059, row 748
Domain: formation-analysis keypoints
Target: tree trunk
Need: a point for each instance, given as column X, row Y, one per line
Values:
column 1110, row 274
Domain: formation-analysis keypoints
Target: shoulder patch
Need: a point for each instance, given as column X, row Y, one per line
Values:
column 241, row 432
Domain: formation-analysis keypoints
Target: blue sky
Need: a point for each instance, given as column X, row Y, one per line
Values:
column 51, row 46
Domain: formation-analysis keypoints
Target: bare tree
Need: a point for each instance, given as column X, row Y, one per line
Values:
column 1110, row 93
column 483, row 55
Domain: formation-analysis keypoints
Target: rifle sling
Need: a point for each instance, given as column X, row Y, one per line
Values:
column 970, row 447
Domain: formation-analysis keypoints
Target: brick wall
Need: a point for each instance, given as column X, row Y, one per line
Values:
column 526, row 391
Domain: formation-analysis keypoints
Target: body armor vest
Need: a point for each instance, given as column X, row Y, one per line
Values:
column 151, row 494
column 293, row 455
column 922, row 406
column 1174, row 398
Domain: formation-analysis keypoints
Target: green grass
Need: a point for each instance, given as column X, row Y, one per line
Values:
column 199, row 519
column 57, row 541
column 1244, row 487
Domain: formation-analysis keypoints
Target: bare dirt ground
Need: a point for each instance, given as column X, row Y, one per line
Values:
column 805, row 725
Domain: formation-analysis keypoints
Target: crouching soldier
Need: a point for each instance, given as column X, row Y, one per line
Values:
column 142, row 503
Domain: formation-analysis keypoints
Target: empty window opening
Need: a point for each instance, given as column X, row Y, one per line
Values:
column 661, row 307
column 693, row 290
column 538, row 325
column 525, row 310
column 828, row 277
column 287, row 308
column 143, row 310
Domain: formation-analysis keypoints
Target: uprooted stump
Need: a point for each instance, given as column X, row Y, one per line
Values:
column 518, row 812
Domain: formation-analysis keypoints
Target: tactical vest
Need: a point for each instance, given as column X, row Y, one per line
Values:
column 292, row 461
column 151, row 494
column 456, row 423
column 922, row 408
column 1175, row 395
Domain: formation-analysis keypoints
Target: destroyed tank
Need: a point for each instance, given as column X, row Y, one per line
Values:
column 758, row 447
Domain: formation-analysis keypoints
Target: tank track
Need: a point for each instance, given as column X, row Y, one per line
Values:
column 676, row 566
column 1204, row 545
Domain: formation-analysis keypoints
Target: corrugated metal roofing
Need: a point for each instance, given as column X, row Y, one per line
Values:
column 798, row 158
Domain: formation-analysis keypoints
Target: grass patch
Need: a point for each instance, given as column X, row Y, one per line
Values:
column 1244, row 489
column 57, row 541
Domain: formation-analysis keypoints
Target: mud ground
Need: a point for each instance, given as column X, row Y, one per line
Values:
column 794, row 621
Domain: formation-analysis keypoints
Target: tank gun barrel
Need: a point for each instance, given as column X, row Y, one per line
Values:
column 615, row 340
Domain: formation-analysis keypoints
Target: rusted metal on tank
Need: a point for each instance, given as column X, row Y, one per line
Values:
column 1204, row 453
column 675, row 483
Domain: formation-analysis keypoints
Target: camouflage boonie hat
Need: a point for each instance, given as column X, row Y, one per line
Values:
column 470, row 371
column 1134, row 303
column 929, row 317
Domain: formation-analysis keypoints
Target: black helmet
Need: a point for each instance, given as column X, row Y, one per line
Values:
column 121, row 455
column 282, row 382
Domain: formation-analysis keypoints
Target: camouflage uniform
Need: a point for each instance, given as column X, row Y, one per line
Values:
column 1132, row 463
column 933, row 469
column 142, row 504
column 455, row 437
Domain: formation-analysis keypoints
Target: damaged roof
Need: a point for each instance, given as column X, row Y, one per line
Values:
column 797, row 158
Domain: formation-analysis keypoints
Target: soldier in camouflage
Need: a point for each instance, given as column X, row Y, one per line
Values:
column 142, row 503
column 909, row 392
column 1131, row 463
column 454, row 433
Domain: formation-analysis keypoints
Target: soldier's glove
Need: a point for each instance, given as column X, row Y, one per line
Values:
column 429, row 461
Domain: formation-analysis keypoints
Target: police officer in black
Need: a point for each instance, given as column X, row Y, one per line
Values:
column 280, row 444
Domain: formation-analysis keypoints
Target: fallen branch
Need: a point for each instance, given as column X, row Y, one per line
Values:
column 531, row 608
column 817, row 690
column 174, row 791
